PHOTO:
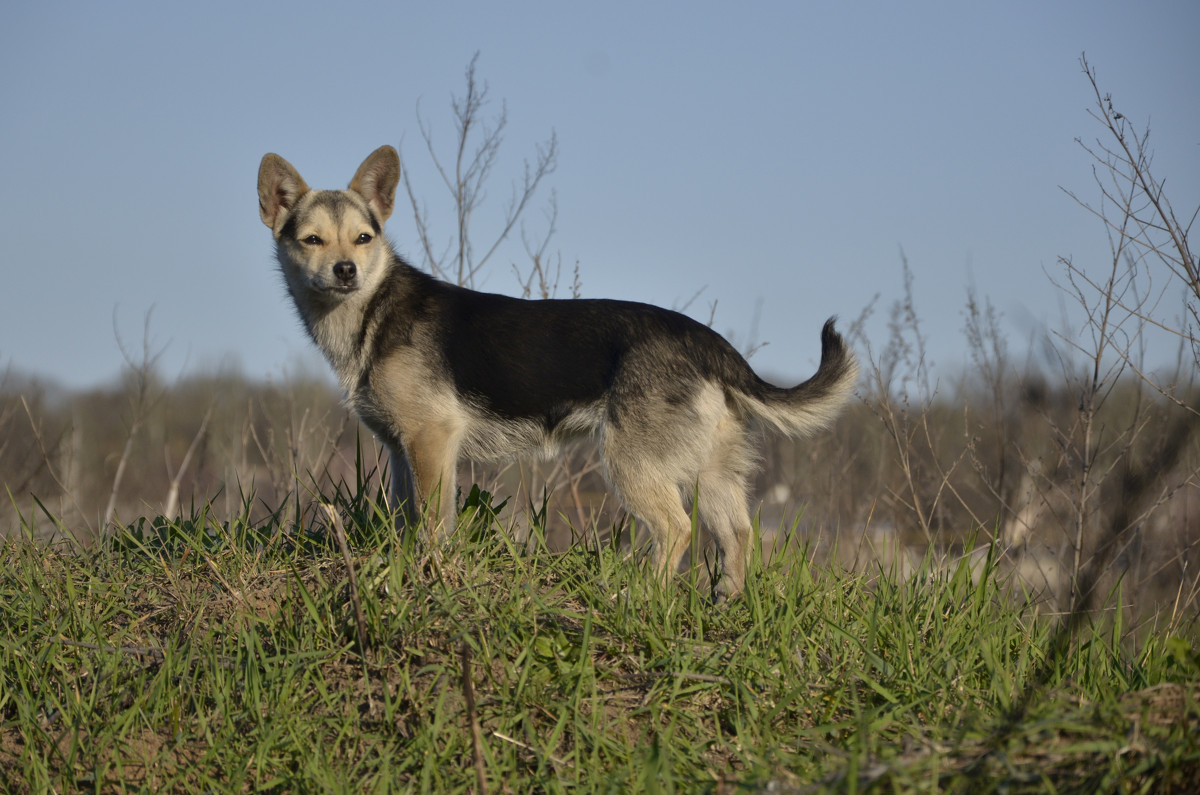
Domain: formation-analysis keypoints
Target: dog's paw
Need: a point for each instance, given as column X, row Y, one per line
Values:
column 727, row 591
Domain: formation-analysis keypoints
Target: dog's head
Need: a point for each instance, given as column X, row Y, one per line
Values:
column 330, row 243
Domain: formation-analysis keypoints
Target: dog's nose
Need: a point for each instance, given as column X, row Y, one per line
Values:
column 345, row 272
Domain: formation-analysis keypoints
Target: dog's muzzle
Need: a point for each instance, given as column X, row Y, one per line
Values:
column 345, row 279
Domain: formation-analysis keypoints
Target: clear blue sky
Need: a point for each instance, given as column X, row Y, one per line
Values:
column 778, row 155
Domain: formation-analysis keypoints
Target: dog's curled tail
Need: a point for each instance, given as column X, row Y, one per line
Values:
column 814, row 404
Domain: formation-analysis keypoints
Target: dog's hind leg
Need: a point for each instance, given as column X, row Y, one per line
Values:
column 724, row 511
column 722, row 503
column 637, row 475
column 657, row 503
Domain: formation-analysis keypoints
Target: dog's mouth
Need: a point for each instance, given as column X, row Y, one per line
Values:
column 333, row 290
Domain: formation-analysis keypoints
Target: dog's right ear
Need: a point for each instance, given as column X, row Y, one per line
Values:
column 280, row 186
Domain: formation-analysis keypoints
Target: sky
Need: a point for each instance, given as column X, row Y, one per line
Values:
column 776, row 158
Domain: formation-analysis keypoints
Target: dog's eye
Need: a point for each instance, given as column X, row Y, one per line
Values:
column 363, row 239
column 312, row 240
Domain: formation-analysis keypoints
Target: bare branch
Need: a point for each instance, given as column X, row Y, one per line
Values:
column 171, row 504
column 145, row 396
column 477, row 144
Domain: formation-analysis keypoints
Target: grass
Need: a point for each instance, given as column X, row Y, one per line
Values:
column 191, row 655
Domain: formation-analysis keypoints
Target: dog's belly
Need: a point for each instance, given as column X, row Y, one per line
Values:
column 489, row 437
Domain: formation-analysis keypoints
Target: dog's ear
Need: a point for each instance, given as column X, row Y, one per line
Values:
column 376, row 180
column 280, row 186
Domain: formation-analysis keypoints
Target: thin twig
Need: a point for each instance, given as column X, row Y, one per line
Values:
column 340, row 533
column 464, row 656
column 556, row 760
column 171, row 504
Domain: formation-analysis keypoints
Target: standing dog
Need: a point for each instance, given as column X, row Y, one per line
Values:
column 440, row 372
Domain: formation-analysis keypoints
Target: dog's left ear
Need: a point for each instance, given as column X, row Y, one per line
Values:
column 376, row 180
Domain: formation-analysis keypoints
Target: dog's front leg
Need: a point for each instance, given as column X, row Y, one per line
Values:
column 403, row 489
column 433, row 453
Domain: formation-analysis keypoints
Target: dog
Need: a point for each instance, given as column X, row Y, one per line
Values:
column 440, row 372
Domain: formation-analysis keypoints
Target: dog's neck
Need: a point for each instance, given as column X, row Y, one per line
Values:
column 336, row 328
column 347, row 331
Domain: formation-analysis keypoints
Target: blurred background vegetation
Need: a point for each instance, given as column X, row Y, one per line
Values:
column 1079, row 457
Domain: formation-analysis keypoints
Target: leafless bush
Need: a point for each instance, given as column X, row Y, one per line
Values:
column 1152, row 462
column 477, row 143
column 32, row 436
column 1085, row 464
column 466, row 173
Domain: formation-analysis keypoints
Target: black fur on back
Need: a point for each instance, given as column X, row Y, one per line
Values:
column 540, row 359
